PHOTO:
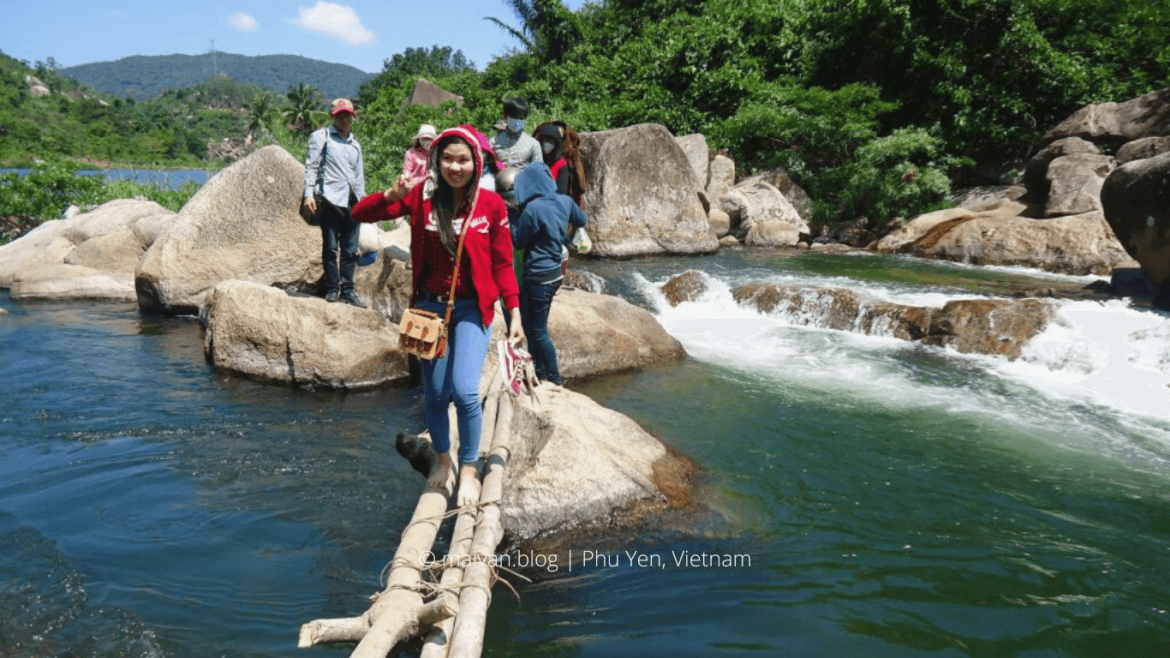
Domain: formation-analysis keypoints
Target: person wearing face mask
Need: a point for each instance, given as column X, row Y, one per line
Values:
column 559, row 146
column 514, row 147
column 414, row 164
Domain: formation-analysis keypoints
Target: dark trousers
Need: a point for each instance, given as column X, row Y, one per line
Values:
column 339, row 242
column 535, row 303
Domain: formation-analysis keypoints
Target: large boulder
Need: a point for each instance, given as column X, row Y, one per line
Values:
column 987, row 196
column 644, row 197
column 910, row 237
column 1076, row 244
column 1075, row 183
column 1140, row 149
column 1113, row 124
column 997, row 327
column 686, row 287
column 90, row 256
column 1036, row 173
column 244, row 224
column 263, row 332
column 72, row 282
column 1136, row 198
column 601, row 334
column 720, row 222
column 695, row 147
column 720, row 178
column 36, row 87
column 795, row 194
column 754, row 203
column 772, row 234
column 575, row 464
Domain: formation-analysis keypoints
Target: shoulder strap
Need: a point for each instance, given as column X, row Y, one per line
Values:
column 459, row 255
column 321, row 164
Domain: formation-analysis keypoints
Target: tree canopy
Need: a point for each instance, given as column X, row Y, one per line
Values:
column 874, row 106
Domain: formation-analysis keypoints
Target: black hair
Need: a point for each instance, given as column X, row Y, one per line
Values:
column 516, row 107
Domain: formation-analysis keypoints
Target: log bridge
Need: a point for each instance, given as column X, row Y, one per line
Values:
column 452, row 612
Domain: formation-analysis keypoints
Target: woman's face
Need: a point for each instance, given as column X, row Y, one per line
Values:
column 425, row 143
column 456, row 164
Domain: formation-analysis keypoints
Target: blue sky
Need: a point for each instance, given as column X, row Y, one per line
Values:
column 355, row 32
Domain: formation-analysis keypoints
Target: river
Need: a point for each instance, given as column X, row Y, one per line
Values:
column 878, row 498
column 172, row 179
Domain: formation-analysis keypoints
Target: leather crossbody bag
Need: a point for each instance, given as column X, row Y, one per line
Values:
column 424, row 333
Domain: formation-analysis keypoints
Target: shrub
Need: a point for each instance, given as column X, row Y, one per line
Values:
column 46, row 193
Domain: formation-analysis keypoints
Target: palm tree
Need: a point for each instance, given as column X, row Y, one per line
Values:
column 261, row 111
column 305, row 111
column 547, row 28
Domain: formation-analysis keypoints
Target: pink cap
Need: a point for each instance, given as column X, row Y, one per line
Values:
column 341, row 105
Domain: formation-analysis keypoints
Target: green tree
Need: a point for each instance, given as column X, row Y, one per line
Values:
column 304, row 111
column 411, row 64
column 547, row 29
column 260, row 112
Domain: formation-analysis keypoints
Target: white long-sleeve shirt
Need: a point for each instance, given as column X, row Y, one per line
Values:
column 343, row 173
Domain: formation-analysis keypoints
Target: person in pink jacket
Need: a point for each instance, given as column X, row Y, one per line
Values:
column 439, row 210
column 414, row 163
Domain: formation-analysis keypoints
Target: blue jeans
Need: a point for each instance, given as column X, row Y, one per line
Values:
column 535, row 304
column 339, row 232
column 456, row 377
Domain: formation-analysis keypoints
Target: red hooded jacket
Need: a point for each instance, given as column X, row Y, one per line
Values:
column 489, row 238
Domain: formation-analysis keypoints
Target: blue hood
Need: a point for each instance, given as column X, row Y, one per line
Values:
column 534, row 181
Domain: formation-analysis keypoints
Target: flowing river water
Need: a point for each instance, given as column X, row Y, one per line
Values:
column 859, row 495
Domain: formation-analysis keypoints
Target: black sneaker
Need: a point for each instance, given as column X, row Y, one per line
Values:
column 352, row 299
column 332, row 296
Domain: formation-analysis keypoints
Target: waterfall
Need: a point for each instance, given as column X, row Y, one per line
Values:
column 1097, row 378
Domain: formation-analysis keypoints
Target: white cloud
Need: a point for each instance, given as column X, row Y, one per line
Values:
column 336, row 21
column 243, row 22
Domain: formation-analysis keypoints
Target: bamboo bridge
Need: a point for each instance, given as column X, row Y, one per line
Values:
column 450, row 605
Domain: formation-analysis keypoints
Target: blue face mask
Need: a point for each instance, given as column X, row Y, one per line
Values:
column 515, row 125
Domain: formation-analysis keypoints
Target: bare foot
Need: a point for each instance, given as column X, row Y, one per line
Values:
column 468, row 486
column 442, row 471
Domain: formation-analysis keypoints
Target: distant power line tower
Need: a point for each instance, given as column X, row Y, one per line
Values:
column 214, row 65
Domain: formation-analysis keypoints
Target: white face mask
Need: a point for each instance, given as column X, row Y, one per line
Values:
column 547, row 147
column 515, row 125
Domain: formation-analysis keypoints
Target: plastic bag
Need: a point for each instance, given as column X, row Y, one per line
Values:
column 581, row 242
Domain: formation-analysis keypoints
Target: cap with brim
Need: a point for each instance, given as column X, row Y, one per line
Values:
column 341, row 105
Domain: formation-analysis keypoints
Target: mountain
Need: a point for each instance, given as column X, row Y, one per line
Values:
column 144, row 77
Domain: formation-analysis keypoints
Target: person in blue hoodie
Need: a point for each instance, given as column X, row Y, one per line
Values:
column 542, row 230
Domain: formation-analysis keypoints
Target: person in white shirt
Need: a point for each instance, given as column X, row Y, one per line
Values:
column 335, row 178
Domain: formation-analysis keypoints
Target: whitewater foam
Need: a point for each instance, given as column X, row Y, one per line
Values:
column 1100, row 369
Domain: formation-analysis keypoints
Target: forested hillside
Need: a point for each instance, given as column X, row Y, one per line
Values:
column 875, row 107
column 143, row 77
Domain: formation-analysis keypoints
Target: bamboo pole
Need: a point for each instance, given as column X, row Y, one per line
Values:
column 399, row 606
column 467, row 636
column 398, row 612
column 437, row 642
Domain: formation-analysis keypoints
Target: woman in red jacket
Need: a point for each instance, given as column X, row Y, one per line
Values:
column 439, row 209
